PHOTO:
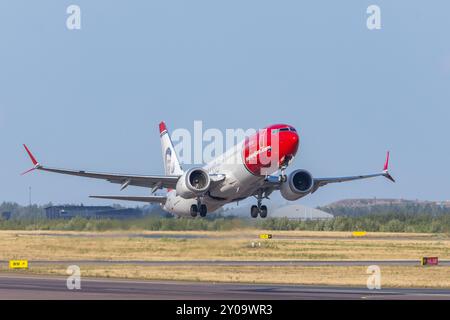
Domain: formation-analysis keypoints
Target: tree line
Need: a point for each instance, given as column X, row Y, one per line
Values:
column 390, row 220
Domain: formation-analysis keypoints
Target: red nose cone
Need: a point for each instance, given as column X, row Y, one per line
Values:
column 289, row 144
column 279, row 144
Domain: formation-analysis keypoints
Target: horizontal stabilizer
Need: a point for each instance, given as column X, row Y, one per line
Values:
column 149, row 199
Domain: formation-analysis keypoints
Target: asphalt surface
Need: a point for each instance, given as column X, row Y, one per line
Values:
column 209, row 236
column 232, row 263
column 46, row 287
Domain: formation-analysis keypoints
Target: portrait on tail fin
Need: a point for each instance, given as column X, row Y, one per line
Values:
column 171, row 163
column 168, row 162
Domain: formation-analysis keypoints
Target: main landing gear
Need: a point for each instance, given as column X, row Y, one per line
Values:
column 199, row 208
column 259, row 208
column 262, row 211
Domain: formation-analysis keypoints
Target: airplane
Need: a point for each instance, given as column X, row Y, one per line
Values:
column 237, row 174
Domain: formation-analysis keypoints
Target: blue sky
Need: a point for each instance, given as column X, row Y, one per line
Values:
column 92, row 98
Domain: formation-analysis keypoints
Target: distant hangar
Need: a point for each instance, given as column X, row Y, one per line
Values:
column 299, row 212
column 91, row 212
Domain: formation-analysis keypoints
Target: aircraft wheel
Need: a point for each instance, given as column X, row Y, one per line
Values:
column 254, row 212
column 203, row 210
column 194, row 210
column 263, row 212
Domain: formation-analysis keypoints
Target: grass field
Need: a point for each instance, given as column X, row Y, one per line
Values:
column 218, row 246
column 235, row 245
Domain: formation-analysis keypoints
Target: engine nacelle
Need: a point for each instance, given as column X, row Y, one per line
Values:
column 299, row 183
column 193, row 183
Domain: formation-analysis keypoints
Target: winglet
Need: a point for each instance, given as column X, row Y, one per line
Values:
column 162, row 127
column 386, row 169
column 386, row 164
column 33, row 159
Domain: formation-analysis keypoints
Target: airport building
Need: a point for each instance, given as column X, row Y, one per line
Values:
column 91, row 212
column 299, row 212
column 6, row 215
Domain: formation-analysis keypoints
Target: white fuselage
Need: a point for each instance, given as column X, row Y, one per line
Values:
column 239, row 183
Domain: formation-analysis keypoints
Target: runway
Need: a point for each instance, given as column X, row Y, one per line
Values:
column 251, row 237
column 233, row 262
column 45, row 287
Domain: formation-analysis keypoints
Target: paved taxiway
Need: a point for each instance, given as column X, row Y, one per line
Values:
column 232, row 263
column 46, row 287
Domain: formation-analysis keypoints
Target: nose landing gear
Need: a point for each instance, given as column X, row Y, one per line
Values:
column 283, row 176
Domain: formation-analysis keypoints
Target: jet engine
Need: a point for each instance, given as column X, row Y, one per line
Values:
column 193, row 183
column 298, row 184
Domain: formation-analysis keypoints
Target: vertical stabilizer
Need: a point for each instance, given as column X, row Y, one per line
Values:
column 171, row 163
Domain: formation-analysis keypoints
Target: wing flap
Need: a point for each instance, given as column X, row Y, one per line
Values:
column 149, row 199
column 129, row 179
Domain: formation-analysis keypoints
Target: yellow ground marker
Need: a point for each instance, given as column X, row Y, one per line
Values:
column 359, row 233
column 18, row 264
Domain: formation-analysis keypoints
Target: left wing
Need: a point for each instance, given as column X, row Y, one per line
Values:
column 156, row 182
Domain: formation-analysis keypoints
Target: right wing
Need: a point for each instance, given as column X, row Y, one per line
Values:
column 320, row 182
column 273, row 182
column 157, row 199
column 156, row 182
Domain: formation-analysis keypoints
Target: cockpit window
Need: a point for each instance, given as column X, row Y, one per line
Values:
column 274, row 131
